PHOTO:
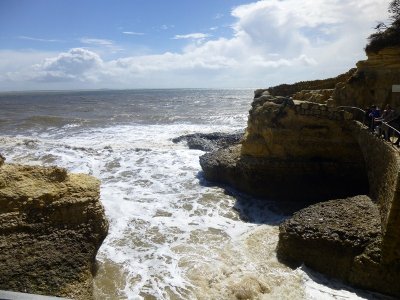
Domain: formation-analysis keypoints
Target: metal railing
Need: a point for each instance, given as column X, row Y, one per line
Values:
column 360, row 112
column 380, row 127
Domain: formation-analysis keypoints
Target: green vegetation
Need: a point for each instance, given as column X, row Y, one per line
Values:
column 386, row 35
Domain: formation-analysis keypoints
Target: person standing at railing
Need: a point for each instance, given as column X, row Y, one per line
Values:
column 374, row 114
column 380, row 123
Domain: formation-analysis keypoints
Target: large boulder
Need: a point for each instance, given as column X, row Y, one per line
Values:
column 51, row 227
column 340, row 238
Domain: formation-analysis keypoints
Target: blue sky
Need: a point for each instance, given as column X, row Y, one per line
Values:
column 72, row 44
column 143, row 24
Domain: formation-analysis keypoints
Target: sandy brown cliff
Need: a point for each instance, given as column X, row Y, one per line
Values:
column 292, row 151
column 372, row 82
column 51, row 227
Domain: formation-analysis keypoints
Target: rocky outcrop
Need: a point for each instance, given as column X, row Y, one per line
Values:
column 292, row 150
column 341, row 238
column 51, row 227
column 340, row 229
column 309, row 152
column 317, row 96
column 372, row 82
column 210, row 141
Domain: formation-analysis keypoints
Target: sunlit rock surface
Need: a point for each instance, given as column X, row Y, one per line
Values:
column 292, row 150
column 51, row 227
column 372, row 82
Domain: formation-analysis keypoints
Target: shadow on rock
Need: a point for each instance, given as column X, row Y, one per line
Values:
column 252, row 209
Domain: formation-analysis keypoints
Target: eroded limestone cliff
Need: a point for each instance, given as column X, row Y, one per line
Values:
column 51, row 227
column 372, row 82
column 292, row 150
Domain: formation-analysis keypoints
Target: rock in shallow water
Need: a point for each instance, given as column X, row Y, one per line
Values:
column 51, row 227
column 210, row 141
column 340, row 238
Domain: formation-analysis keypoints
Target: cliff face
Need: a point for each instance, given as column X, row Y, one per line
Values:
column 51, row 227
column 356, row 239
column 296, row 151
column 372, row 82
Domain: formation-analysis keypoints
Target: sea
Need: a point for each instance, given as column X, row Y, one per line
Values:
column 173, row 234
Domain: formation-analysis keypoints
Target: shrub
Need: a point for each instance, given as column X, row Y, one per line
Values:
column 386, row 36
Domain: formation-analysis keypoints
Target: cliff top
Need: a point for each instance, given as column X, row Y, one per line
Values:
column 320, row 84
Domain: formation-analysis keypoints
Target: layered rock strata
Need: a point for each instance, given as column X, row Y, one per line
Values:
column 292, row 150
column 372, row 82
column 51, row 227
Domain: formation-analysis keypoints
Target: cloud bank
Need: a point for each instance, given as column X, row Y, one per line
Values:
column 273, row 42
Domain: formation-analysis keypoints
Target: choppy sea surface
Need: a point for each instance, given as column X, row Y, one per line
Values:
column 173, row 235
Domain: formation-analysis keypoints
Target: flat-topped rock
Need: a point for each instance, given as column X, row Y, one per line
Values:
column 51, row 227
column 341, row 238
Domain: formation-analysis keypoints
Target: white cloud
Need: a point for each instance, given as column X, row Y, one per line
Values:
column 29, row 38
column 75, row 65
column 97, row 42
column 132, row 33
column 193, row 36
column 273, row 42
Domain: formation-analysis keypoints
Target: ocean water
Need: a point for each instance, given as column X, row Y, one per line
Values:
column 173, row 235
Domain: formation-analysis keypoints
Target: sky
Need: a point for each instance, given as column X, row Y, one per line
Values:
column 128, row 44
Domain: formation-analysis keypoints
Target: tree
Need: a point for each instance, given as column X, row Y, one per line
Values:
column 394, row 10
column 386, row 35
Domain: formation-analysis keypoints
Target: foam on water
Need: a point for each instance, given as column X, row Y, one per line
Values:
column 172, row 234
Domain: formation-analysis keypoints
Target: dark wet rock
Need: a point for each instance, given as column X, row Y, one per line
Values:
column 210, row 141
